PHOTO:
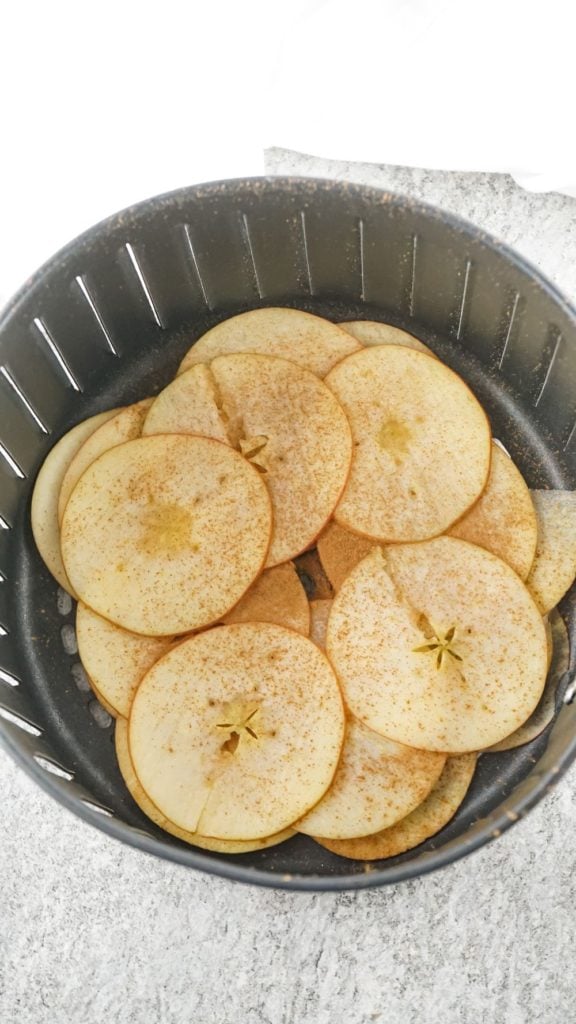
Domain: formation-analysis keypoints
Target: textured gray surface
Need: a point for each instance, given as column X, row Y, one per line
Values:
column 91, row 931
column 541, row 227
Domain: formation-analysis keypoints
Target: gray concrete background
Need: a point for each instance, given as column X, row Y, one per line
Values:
column 92, row 931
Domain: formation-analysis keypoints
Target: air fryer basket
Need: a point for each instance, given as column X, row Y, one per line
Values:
column 106, row 322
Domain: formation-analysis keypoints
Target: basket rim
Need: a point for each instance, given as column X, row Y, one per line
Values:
column 285, row 183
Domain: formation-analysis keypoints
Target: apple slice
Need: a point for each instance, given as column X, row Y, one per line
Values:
column 163, row 535
column 276, row 596
column 310, row 341
column 114, row 659
column 152, row 812
column 237, row 732
column 288, row 423
column 319, row 615
column 438, row 645
column 503, row 520
column 427, row 820
column 125, row 425
column 421, row 444
column 44, row 511
column 285, row 421
column 377, row 783
column 554, row 567
column 546, row 708
column 314, row 579
column 372, row 332
column 340, row 550
column 188, row 405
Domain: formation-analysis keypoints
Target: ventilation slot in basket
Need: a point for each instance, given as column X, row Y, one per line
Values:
column 55, row 352
column 571, row 439
column 143, row 284
column 412, row 284
column 556, row 344
column 52, row 768
column 192, row 254
column 11, row 462
column 22, row 398
column 81, row 282
column 361, row 251
column 21, row 723
column 306, row 252
column 98, row 808
column 463, row 300
column 248, row 240
column 509, row 328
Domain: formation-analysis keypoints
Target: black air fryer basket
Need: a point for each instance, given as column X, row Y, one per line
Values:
column 107, row 321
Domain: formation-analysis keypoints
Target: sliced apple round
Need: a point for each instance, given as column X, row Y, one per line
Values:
column 152, row 812
column 559, row 656
column 276, row 596
column 425, row 821
column 288, row 423
column 340, row 550
column 319, row 615
column 44, row 511
column 421, row 444
column 503, row 520
column 285, row 421
column 554, row 568
column 164, row 534
column 237, row 732
column 188, row 405
column 125, row 425
column 377, row 783
column 438, row 645
column 305, row 339
column 372, row 332
column 115, row 659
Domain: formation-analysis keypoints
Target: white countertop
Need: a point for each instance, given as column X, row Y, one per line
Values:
column 92, row 931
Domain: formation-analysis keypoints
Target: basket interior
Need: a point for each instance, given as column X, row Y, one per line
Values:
column 107, row 321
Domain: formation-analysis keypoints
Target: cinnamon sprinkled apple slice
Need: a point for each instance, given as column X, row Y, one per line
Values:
column 237, row 732
column 276, row 596
column 124, row 425
column 377, row 782
column 44, row 512
column 164, row 534
column 503, row 520
column 152, row 812
column 554, row 568
column 372, row 332
column 438, row 645
column 421, row 444
column 305, row 339
column 425, row 821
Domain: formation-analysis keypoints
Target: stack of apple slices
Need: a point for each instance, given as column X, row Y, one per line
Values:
column 311, row 588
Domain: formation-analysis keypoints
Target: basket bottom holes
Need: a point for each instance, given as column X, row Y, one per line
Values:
column 69, row 642
column 100, row 715
column 80, row 678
